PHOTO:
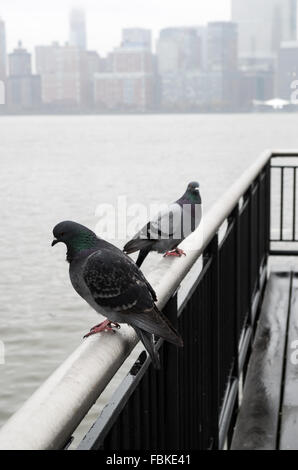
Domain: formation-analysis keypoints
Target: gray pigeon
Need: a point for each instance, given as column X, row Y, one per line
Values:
column 167, row 230
column 113, row 285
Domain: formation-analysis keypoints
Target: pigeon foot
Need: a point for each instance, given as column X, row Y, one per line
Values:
column 176, row 252
column 106, row 325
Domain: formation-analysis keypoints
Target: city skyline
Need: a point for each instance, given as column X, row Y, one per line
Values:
column 223, row 65
column 33, row 23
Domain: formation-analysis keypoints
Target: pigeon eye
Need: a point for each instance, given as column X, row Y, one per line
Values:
column 62, row 234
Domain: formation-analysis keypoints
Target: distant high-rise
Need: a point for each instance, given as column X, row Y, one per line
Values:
column 181, row 60
column 2, row 50
column 263, row 25
column 23, row 88
column 287, row 69
column 78, row 33
column 222, row 46
column 178, row 50
column 129, row 84
column 90, row 64
column 59, row 67
column 19, row 62
column 136, row 37
column 222, row 60
column 131, row 60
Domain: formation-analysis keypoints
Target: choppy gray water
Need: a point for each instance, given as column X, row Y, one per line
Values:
column 56, row 168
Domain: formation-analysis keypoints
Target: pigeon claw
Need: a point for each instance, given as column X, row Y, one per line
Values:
column 106, row 325
column 176, row 252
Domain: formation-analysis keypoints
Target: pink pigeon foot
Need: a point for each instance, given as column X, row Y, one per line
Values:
column 106, row 325
column 176, row 252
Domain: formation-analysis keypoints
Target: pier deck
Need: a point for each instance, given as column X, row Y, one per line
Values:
column 268, row 417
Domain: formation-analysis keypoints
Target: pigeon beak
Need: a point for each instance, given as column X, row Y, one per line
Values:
column 54, row 242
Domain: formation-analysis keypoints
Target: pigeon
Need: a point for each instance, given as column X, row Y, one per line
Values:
column 167, row 230
column 113, row 285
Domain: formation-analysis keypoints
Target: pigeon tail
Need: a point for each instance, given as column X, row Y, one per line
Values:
column 175, row 338
column 148, row 342
column 155, row 322
column 137, row 244
column 142, row 255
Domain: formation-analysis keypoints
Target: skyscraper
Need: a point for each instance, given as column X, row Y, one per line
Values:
column 19, row 62
column 23, row 88
column 78, row 33
column 136, row 37
column 129, row 85
column 180, row 59
column 179, row 49
column 263, row 25
column 2, row 50
column 59, row 68
column 287, row 69
column 222, row 46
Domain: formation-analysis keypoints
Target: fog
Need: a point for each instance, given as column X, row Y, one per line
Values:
column 36, row 22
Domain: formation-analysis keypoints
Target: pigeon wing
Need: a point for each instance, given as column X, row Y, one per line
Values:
column 116, row 283
column 166, row 225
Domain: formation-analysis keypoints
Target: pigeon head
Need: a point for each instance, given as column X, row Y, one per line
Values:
column 193, row 192
column 76, row 237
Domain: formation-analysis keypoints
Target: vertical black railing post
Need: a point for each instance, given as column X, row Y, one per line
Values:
column 171, row 382
column 212, row 251
column 281, row 202
column 258, row 228
column 235, row 216
column 268, row 210
column 294, row 204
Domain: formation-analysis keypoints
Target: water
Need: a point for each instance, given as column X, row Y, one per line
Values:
column 56, row 168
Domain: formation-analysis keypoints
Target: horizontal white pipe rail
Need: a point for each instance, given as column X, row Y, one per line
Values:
column 54, row 411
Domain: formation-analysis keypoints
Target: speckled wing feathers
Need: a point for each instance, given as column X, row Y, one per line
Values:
column 116, row 283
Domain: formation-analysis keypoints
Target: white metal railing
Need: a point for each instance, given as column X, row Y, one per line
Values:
column 54, row 411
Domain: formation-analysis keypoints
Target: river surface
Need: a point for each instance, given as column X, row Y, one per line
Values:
column 55, row 168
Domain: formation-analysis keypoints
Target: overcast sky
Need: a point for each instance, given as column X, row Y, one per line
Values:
column 41, row 21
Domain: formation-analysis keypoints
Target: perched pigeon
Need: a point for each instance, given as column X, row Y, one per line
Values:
column 113, row 285
column 167, row 230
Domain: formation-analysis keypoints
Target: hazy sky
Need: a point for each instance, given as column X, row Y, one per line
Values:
column 41, row 22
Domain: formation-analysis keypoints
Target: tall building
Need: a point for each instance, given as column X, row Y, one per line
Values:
column 222, row 61
column 180, row 59
column 136, row 37
column 130, row 60
column 129, row 82
column 263, row 25
column 222, row 46
column 78, row 32
column 19, row 62
column 179, row 49
column 60, row 71
column 90, row 64
column 2, row 50
column 23, row 88
column 287, row 69
column 123, row 91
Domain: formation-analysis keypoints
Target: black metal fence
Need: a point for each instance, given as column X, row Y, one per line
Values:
column 192, row 402
column 284, row 205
